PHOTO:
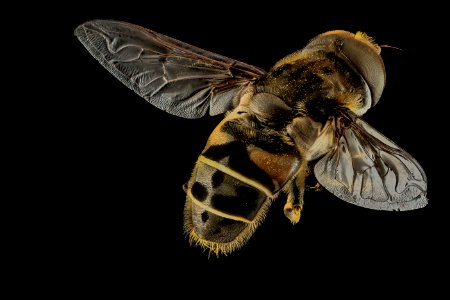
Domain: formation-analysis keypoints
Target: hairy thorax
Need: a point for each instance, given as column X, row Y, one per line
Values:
column 315, row 85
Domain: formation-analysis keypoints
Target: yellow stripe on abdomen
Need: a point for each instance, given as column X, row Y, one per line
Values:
column 215, row 211
column 235, row 175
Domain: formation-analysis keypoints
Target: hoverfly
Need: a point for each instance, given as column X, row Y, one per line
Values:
column 300, row 117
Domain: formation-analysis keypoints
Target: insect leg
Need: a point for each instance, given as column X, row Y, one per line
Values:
column 294, row 204
column 304, row 131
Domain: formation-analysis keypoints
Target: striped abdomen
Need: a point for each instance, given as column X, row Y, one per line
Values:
column 233, row 183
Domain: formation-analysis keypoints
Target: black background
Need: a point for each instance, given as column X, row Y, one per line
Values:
column 120, row 162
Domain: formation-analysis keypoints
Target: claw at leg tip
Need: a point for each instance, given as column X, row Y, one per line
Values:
column 292, row 212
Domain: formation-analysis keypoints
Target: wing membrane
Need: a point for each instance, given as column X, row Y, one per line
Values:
column 369, row 170
column 176, row 77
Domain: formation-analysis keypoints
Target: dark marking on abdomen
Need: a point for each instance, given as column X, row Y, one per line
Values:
column 239, row 161
column 199, row 191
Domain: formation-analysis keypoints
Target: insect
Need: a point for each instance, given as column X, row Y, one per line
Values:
column 302, row 117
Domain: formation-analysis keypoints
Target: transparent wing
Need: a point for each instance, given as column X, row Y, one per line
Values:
column 181, row 79
column 367, row 169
